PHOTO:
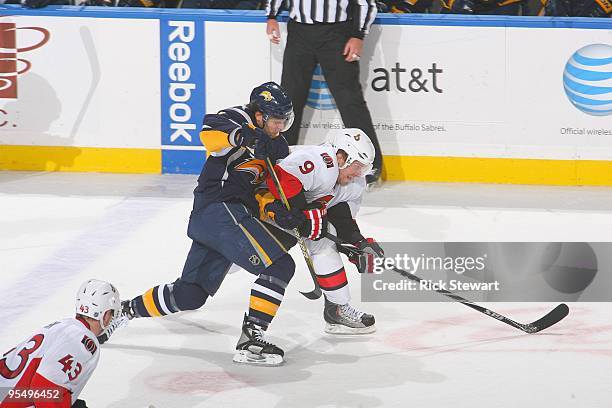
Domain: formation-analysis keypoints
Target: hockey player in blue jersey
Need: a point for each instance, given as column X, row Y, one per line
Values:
column 224, row 226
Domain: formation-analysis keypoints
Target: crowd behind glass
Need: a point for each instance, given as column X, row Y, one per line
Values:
column 561, row 8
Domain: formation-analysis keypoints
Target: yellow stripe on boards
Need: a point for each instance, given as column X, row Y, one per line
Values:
column 68, row 158
column 498, row 170
column 396, row 168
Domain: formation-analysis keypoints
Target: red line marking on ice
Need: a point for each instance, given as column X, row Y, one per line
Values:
column 468, row 334
column 196, row 382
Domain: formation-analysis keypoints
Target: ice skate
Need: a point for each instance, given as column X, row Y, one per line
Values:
column 345, row 319
column 127, row 310
column 373, row 180
column 253, row 349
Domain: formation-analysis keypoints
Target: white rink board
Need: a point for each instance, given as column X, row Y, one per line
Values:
column 234, row 69
column 437, row 87
column 536, row 62
column 500, row 91
column 95, row 83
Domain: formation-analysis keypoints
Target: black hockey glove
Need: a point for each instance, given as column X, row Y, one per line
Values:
column 263, row 147
column 79, row 404
column 370, row 250
column 310, row 222
column 287, row 219
column 255, row 137
column 248, row 135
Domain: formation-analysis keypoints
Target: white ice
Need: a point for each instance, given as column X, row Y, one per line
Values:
column 58, row 229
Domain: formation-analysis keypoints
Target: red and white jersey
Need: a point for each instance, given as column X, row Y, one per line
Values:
column 351, row 193
column 311, row 168
column 61, row 356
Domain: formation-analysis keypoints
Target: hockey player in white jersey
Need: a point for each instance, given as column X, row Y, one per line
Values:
column 52, row 366
column 329, row 179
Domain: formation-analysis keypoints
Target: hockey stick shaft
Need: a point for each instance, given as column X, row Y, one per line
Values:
column 548, row 320
column 316, row 292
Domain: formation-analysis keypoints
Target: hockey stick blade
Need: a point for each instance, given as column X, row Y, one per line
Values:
column 315, row 294
column 553, row 317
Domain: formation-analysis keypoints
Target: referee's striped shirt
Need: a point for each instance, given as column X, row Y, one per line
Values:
column 360, row 12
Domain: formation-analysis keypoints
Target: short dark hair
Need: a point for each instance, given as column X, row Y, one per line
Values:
column 253, row 107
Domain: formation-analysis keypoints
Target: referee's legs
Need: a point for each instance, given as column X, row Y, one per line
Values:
column 298, row 66
column 343, row 80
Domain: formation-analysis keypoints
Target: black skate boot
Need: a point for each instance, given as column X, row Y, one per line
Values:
column 345, row 319
column 127, row 310
column 253, row 349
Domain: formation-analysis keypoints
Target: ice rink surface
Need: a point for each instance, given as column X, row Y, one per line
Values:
column 58, row 229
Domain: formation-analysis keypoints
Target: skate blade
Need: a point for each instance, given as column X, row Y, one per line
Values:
column 374, row 185
column 266, row 360
column 341, row 329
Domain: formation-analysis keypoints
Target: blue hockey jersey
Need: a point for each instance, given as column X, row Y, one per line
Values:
column 231, row 172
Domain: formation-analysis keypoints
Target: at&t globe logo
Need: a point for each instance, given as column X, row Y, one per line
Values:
column 319, row 96
column 587, row 79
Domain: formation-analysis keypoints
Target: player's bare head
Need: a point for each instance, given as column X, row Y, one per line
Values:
column 99, row 302
column 273, row 108
column 354, row 151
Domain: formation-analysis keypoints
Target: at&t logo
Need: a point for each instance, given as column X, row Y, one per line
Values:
column 587, row 79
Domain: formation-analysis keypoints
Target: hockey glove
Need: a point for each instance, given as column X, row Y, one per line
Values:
column 287, row 219
column 248, row 135
column 79, row 404
column 315, row 224
column 370, row 250
column 264, row 197
column 251, row 136
column 310, row 222
column 115, row 324
column 263, row 147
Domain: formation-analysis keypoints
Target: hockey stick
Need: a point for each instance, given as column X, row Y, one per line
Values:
column 316, row 292
column 551, row 318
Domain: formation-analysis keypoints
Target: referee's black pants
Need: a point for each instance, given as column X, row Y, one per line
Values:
column 309, row 44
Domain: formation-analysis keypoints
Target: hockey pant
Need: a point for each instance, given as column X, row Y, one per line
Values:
column 329, row 269
column 223, row 234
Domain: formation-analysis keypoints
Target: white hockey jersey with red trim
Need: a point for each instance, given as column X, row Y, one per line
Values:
column 351, row 193
column 61, row 356
column 316, row 169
